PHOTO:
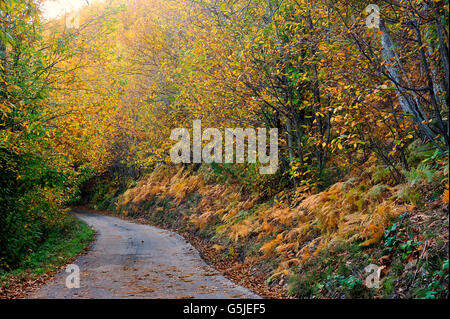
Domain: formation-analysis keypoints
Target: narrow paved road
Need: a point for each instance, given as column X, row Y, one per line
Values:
column 130, row 260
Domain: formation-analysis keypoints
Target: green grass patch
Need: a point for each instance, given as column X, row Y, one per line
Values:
column 61, row 246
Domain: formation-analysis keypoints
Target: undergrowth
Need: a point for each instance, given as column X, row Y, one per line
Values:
column 61, row 246
column 316, row 244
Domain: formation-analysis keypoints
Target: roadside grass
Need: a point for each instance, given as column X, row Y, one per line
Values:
column 61, row 247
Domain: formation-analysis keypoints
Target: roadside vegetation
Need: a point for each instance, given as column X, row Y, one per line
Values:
column 87, row 110
column 313, row 245
column 61, row 246
column 37, row 177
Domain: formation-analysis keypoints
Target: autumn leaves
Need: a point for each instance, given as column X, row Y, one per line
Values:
column 212, row 152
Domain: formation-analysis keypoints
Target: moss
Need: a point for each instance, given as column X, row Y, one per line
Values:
column 389, row 286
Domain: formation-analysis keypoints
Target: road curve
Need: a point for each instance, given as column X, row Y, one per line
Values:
column 130, row 260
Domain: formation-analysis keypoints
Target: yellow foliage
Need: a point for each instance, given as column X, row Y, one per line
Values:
column 202, row 220
column 181, row 187
column 241, row 230
column 219, row 248
column 269, row 247
column 445, row 195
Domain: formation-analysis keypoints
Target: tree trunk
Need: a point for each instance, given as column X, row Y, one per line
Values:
column 407, row 103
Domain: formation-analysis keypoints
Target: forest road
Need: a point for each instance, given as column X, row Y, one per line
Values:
column 129, row 260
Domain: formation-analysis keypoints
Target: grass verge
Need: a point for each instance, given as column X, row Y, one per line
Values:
column 62, row 246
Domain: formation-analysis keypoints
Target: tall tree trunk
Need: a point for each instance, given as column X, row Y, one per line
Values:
column 407, row 103
column 2, row 68
column 443, row 49
column 431, row 86
column 289, row 140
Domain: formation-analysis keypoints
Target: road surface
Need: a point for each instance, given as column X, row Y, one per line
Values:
column 130, row 260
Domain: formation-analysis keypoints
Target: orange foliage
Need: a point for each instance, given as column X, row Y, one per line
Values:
column 343, row 213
